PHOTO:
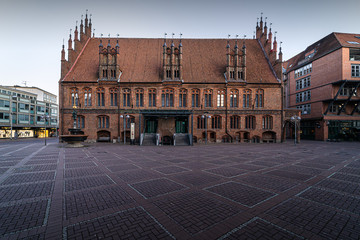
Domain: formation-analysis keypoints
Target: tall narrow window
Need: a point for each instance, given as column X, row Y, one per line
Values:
column 247, row 98
column 168, row 74
column 80, row 122
column 216, row 122
column 87, row 97
column 235, row 122
column 100, row 96
column 267, row 122
column 208, row 97
column 220, row 98
column 182, row 97
column 129, row 120
column 195, row 98
column 259, row 98
column 139, row 97
column 176, row 74
column 167, row 98
column 103, row 122
column 250, row 122
column 234, row 98
column 113, row 97
column 126, row 97
column 201, row 122
column 152, row 97
column 74, row 97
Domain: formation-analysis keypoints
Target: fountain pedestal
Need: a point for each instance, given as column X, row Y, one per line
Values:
column 75, row 138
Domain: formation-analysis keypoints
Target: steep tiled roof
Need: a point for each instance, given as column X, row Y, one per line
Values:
column 140, row 60
column 322, row 47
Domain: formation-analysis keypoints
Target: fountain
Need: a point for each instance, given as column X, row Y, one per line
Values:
column 76, row 136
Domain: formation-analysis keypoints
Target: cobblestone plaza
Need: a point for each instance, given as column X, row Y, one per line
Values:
column 222, row 191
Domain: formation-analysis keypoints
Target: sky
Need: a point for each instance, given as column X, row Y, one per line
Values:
column 32, row 31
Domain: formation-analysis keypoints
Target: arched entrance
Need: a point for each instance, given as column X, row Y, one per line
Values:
column 255, row 139
column 243, row 136
column 103, row 136
column 269, row 136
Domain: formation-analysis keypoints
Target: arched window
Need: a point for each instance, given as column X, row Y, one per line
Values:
column 235, row 122
column 250, row 122
column 103, row 122
column 126, row 97
column 216, row 122
column 80, row 122
column 195, row 100
column 208, row 97
column 100, row 96
column 247, row 98
column 167, row 97
column 259, row 98
column 113, row 96
column 267, row 122
column 234, row 98
column 201, row 122
column 74, row 97
column 87, row 97
column 182, row 97
column 139, row 97
column 221, row 98
column 152, row 97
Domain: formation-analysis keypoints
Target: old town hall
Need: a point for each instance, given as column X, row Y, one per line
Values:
column 172, row 90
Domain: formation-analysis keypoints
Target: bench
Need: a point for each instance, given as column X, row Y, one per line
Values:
column 104, row 139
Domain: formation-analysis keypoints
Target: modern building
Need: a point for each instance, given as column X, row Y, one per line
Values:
column 26, row 111
column 323, row 82
column 172, row 91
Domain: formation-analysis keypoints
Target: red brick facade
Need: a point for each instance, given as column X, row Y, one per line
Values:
column 332, row 95
column 169, row 86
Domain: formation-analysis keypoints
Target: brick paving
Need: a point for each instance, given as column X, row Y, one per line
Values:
column 222, row 191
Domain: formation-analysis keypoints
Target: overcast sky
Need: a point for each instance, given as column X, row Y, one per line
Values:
column 32, row 31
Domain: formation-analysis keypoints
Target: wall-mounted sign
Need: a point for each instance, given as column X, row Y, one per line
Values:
column 132, row 131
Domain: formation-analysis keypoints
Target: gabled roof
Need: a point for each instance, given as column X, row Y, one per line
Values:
column 140, row 60
column 324, row 46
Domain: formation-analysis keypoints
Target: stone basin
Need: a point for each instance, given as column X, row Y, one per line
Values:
column 75, row 138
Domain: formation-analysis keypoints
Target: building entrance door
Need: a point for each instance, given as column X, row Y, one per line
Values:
column 181, row 125
column 151, row 126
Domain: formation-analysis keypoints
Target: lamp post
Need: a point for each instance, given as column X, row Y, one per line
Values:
column 124, row 121
column 11, row 124
column 46, row 118
column 205, row 116
column 296, row 120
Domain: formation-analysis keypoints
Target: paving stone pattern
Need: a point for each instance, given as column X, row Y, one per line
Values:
column 237, row 192
column 129, row 224
column 157, row 187
column 214, row 191
column 259, row 229
column 195, row 212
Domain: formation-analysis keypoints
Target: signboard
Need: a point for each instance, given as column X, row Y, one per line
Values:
column 132, row 131
column 16, row 133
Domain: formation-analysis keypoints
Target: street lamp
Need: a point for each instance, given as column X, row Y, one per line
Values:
column 124, row 120
column 296, row 120
column 11, row 123
column 46, row 118
column 205, row 116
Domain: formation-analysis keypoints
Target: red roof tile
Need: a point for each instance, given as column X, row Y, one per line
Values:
column 140, row 60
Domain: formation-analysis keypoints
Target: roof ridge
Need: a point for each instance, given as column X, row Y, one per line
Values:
column 82, row 50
